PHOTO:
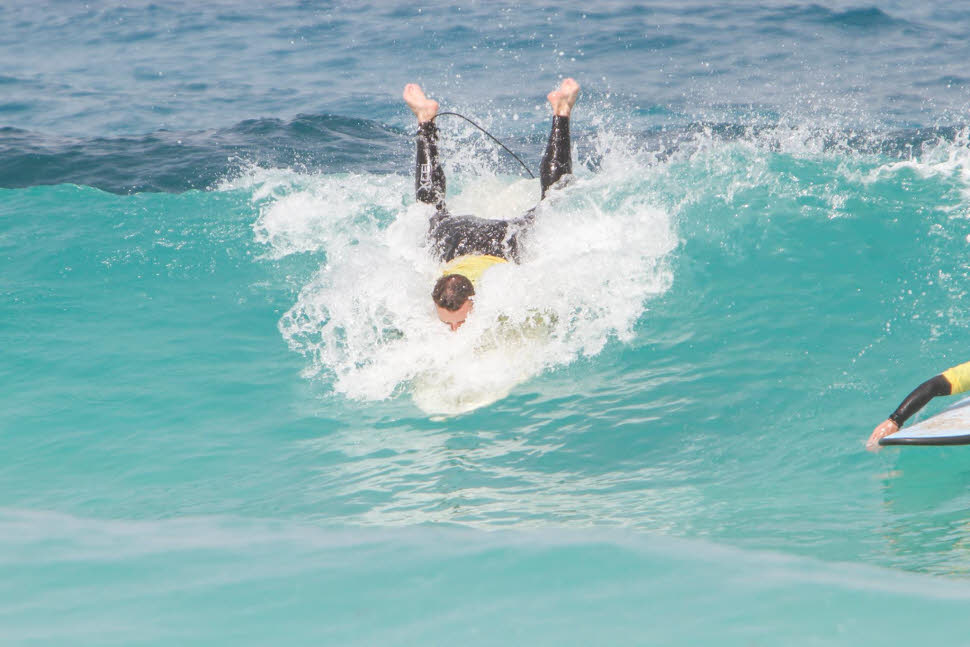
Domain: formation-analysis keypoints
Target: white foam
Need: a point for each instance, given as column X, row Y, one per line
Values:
column 320, row 213
column 366, row 320
column 950, row 159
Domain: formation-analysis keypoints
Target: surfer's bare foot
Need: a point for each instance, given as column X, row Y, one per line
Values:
column 562, row 98
column 423, row 108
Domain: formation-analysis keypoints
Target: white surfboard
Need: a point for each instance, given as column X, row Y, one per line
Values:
column 949, row 427
column 507, row 355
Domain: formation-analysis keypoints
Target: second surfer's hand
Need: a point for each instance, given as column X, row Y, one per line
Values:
column 884, row 429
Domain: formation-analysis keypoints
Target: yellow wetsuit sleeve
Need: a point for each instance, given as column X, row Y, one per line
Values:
column 472, row 266
column 958, row 377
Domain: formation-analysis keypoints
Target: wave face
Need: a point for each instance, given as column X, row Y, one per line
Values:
column 227, row 407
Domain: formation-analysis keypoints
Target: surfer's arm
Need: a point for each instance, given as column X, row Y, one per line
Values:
column 931, row 388
column 920, row 396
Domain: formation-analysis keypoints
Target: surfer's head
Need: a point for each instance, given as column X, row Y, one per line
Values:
column 452, row 295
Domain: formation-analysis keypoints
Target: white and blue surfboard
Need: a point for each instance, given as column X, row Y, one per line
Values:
column 949, row 427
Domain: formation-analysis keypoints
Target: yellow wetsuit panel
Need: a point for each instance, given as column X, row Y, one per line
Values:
column 958, row 377
column 472, row 266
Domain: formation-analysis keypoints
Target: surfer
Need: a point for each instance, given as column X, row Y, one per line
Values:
column 949, row 382
column 468, row 245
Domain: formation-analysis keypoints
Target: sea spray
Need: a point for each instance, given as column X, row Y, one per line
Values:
column 366, row 320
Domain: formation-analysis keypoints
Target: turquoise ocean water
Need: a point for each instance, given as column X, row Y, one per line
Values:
column 228, row 415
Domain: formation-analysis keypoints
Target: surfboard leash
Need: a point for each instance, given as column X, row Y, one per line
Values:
column 494, row 139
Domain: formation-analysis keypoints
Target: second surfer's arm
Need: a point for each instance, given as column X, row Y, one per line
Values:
column 921, row 395
column 949, row 382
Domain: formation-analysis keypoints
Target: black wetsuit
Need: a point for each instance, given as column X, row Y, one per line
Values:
column 922, row 394
column 453, row 236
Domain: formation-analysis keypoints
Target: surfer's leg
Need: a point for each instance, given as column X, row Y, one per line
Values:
column 429, row 177
column 557, row 160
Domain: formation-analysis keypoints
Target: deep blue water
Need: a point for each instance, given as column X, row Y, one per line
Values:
column 228, row 414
